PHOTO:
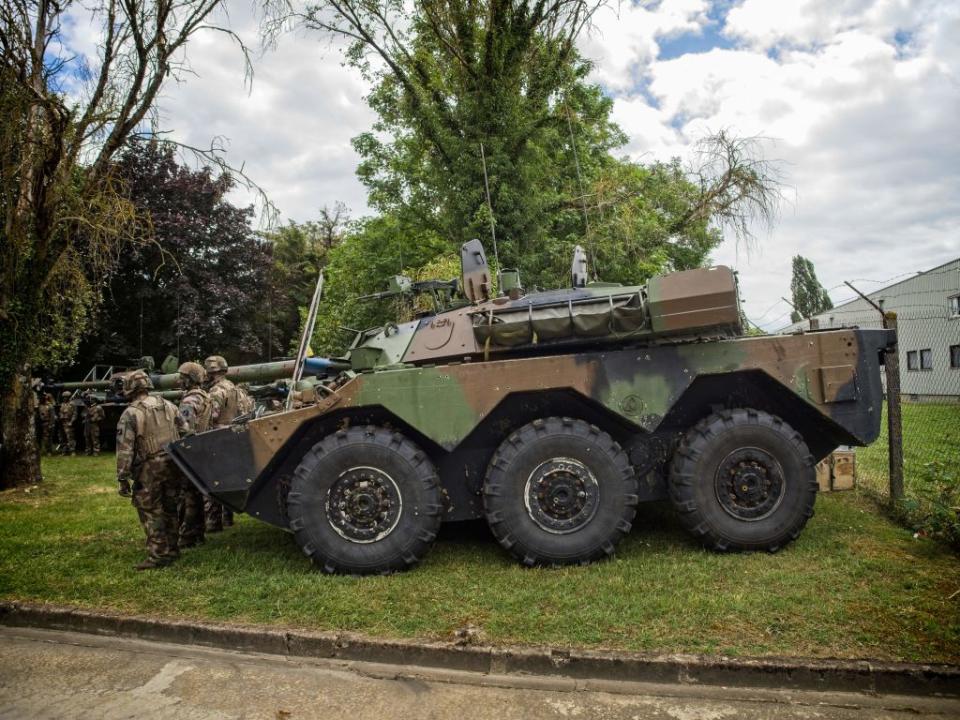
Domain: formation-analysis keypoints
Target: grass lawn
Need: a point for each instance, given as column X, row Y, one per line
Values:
column 931, row 468
column 853, row 586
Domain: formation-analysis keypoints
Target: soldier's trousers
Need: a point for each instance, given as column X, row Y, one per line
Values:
column 69, row 444
column 91, row 438
column 46, row 438
column 216, row 515
column 156, row 492
column 192, row 519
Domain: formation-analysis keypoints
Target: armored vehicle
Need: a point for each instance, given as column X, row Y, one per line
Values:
column 551, row 415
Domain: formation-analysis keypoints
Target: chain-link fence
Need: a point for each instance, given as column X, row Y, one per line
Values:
column 926, row 311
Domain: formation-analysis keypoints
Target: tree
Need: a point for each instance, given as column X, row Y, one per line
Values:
column 299, row 251
column 197, row 287
column 809, row 296
column 454, row 76
column 64, row 213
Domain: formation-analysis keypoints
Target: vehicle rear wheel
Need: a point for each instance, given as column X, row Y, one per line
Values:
column 560, row 491
column 365, row 500
column 743, row 480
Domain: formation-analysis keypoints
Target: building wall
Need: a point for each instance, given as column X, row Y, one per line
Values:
column 925, row 320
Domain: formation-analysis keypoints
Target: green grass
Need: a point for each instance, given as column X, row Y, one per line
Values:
column 853, row 585
column 931, row 469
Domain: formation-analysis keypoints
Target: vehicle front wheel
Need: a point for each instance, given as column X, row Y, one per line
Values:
column 365, row 500
column 743, row 480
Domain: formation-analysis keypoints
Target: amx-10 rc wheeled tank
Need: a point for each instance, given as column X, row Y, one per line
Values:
column 551, row 415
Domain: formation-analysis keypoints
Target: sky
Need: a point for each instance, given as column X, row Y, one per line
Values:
column 857, row 101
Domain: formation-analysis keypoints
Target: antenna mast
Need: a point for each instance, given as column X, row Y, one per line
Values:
column 583, row 197
column 493, row 231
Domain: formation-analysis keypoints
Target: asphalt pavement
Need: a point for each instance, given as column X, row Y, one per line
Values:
column 53, row 674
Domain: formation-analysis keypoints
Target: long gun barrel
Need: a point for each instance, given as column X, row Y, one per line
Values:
column 256, row 373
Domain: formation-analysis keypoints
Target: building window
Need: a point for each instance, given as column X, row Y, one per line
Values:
column 955, row 356
column 912, row 363
column 955, row 305
column 926, row 359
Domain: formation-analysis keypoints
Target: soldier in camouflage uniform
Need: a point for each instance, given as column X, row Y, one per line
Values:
column 67, row 414
column 145, row 471
column 227, row 401
column 91, row 425
column 47, row 410
column 195, row 418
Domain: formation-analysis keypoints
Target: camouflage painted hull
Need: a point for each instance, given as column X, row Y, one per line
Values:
column 825, row 385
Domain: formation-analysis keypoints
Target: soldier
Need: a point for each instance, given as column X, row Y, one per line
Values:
column 146, row 427
column 47, row 411
column 67, row 414
column 91, row 425
column 227, row 401
column 195, row 418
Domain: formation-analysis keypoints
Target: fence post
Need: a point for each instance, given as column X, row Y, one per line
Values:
column 891, row 365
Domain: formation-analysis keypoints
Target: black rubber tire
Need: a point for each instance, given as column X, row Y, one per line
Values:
column 697, row 462
column 415, row 479
column 518, row 457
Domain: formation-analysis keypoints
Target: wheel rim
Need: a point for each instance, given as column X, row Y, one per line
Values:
column 561, row 495
column 364, row 504
column 749, row 484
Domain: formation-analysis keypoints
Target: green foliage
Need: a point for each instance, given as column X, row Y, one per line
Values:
column 454, row 77
column 931, row 454
column 73, row 541
column 375, row 249
column 809, row 296
column 299, row 251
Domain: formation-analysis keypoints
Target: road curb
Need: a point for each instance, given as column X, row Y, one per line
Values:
column 880, row 678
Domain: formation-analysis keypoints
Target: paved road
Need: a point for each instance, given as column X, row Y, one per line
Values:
column 45, row 674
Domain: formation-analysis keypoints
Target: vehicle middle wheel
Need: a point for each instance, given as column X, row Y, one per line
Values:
column 560, row 491
column 365, row 500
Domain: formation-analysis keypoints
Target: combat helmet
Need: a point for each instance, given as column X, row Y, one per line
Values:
column 215, row 364
column 135, row 381
column 65, row 395
column 194, row 371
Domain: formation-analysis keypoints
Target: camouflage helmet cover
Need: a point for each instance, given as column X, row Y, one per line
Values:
column 194, row 371
column 215, row 363
column 65, row 395
column 137, row 380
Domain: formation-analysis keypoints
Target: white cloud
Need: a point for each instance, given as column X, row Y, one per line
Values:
column 861, row 98
column 624, row 36
column 291, row 128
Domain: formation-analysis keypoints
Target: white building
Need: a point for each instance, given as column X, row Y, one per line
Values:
column 928, row 324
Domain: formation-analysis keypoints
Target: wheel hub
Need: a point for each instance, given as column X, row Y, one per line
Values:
column 561, row 495
column 363, row 504
column 749, row 484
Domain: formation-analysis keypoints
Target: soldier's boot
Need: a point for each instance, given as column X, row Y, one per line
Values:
column 151, row 564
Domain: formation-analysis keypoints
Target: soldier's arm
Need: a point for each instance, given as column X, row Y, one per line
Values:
column 217, row 398
column 126, row 446
column 186, row 417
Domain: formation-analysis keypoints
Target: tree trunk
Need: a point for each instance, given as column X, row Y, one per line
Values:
column 20, row 461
